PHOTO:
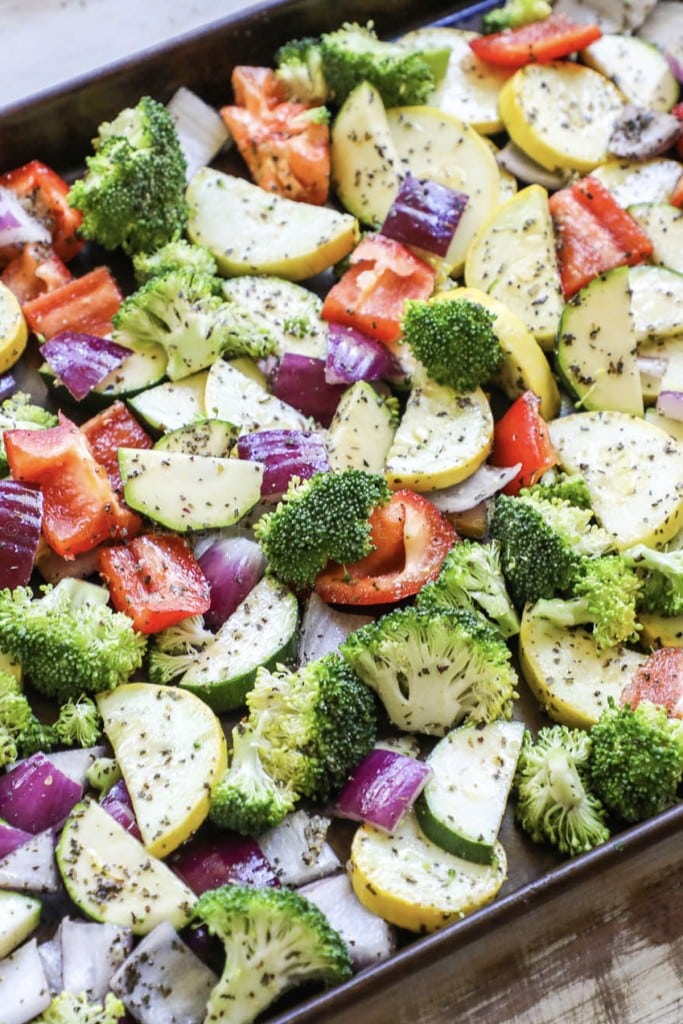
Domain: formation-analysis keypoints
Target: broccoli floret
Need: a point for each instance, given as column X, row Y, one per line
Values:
column 69, row 1008
column 22, row 733
column 318, row 520
column 247, row 799
column 171, row 651
column 16, row 717
column 454, row 340
column 79, row 723
column 182, row 311
column 662, row 578
column 542, row 544
column 471, row 577
column 299, row 67
column 274, row 939
column 515, row 13
column 68, row 642
column 176, row 255
column 636, row 760
column 354, row 54
column 19, row 413
column 434, row 669
column 132, row 195
column 605, row 595
column 555, row 802
column 555, row 484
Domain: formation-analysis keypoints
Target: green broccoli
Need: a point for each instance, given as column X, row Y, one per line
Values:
column 22, row 733
column 318, row 520
column 79, row 723
column 636, row 759
column 471, row 577
column 515, row 13
column 132, row 195
column 16, row 718
column 247, row 799
column 274, row 939
column 604, row 594
column 434, row 669
column 176, row 255
column 182, row 311
column 329, row 68
column 662, row 578
column 555, row 484
column 171, row 651
column 304, row 733
column 542, row 544
column 18, row 412
column 454, row 340
column 69, row 1008
column 68, row 641
column 555, row 801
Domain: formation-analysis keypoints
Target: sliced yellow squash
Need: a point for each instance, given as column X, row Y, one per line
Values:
column 13, row 329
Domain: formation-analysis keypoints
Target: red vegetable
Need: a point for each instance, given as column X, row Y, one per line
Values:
column 659, row 680
column 229, row 858
column 382, row 788
column 17, row 226
column 45, row 193
column 80, row 507
column 36, row 795
column 554, row 37
column 21, row 514
column 81, row 361
column 86, row 303
column 677, row 194
column 284, row 454
column 118, row 804
column 521, row 436
column 371, row 294
column 11, row 838
column 113, row 428
column 35, row 270
column 353, row 356
column 155, row 579
column 412, row 540
column 594, row 233
column 301, row 382
column 425, row 214
column 232, row 566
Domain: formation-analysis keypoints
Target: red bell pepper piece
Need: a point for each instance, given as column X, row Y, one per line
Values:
column 660, row 680
column 594, row 233
column 35, row 270
column 80, row 507
column 113, row 428
column 677, row 195
column 85, row 304
column 413, row 538
column 371, row 294
column 47, row 196
column 156, row 580
column 555, row 37
column 521, row 435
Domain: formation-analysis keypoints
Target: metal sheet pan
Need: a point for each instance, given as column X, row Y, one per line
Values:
column 481, row 968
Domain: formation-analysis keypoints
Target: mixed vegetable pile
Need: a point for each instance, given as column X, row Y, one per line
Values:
column 379, row 443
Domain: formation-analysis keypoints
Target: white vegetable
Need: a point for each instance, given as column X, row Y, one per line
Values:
column 298, row 849
column 24, row 992
column 91, row 954
column 369, row 938
column 202, row 132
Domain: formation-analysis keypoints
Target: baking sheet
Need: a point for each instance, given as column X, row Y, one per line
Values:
column 441, row 975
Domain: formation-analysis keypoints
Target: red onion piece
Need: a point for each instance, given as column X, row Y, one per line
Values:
column 35, row 795
column 284, row 454
column 119, row 805
column 17, row 226
column 232, row 567
column 300, row 381
column 675, row 65
column 8, row 386
column 382, row 789
column 353, row 356
column 670, row 403
column 82, row 361
column 425, row 214
column 21, row 517
column 209, row 863
column 11, row 838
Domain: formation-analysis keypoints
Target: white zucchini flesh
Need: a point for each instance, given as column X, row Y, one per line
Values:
column 233, row 396
column 656, row 302
column 413, row 883
column 24, row 991
column 173, row 404
column 639, row 181
column 462, row 805
column 610, row 15
column 19, row 917
column 288, row 311
column 663, row 224
column 163, row 981
column 361, row 431
column 638, row 69
column 634, row 472
column 663, row 26
column 112, row 878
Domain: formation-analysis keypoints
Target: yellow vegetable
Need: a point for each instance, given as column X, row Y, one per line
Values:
column 13, row 329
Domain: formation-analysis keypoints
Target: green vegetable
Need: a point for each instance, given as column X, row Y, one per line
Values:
column 68, row 642
column 132, row 194
column 513, row 14
column 555, row 484
column 176, row 255
column 636, row 760
column 103, row 773
column 274, row 939
column 304, row 733
column 19, row 413
column 434, row 669
column 22, row 733
column 182, row 311
column 172, row 650
column 454, row 340
column 542, row 544
column 471, row 577
column 79, row 723
column 322, row 519
column 605, row 595
column 555, row 801
column 662, row 578
column 69, row 1008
